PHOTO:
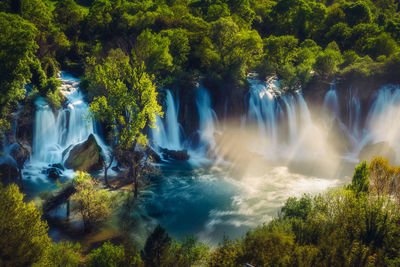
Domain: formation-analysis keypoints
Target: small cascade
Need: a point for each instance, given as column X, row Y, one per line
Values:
column 383, row 118
column 290, row 106
column 265, row 109
column 207, row 118
column 168, row 131
column 354, row 113
column 54, row 136
column 286, row 129
column 331, row 102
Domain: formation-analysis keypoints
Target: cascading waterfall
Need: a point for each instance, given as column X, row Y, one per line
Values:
column 207, row 118
column 354, row 112
column 265, row 110
column 284, row 122
column 331, row 102
column 383, row 117
column 54, row 135
column 168, row 131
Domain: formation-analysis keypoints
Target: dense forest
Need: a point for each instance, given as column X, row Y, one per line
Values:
column 125, row 53
column 299, row 41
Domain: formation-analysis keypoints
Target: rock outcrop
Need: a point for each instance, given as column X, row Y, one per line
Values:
column 85, row 156
column 175, row 154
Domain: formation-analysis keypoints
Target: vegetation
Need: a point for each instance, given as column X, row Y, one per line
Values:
column 92, row 202
column 24, row 235
column 127, row 102
column 356, row 225
column 298, row 40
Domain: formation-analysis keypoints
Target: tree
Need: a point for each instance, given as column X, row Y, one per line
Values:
column 109, row 255
column 153, row 50
column 326, row 63
column 360, row 182
column 17, row 48
column 384, row 179
column 65, row 253
column 187, row 253
column 90, row 201
column 156, row 248
column 294, row 208
column 24, row 239
column 127, row 102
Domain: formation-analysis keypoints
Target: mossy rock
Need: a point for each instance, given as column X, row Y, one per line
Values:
column 85, row 156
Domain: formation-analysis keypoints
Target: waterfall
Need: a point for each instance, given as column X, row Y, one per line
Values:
column 54, row 136
column 383, row 117
column 331, row 102
column 354, row 113
column 264, row 108
column 286, row 129
column 207, row 117
column 168, row 131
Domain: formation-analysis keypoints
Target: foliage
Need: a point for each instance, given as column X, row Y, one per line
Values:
column 92, row 202
column 24, row 235
column 127, row 98
column 360, row 181
column 64, row 253
column 109, row 255
column 156, row 248
column 17, row 48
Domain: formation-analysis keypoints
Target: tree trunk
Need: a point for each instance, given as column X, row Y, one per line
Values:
column 136, row 184
column 20, row 178
column 68, row 209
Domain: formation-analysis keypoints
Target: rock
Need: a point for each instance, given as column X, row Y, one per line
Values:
column 116, row 169
column 175, row 154
column 382, row 149
column 8, row 172
column 151, row 153
column 85, row 156
column 57, row 165
column 21, row 153
column 53, row 173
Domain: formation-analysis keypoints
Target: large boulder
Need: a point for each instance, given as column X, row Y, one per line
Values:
column 85, row 156
column 382, row 149
column 175, row 154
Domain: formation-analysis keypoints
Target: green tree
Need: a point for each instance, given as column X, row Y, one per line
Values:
column 17, row 48
column 187, row 253
column 153, row 50
column 109, row 255
column 64, row 253
column 326, row 63
column 294, row 208
column 360, row 181
column 127, row 101
column 92, row 202
column 24, row 235
column 156, row 248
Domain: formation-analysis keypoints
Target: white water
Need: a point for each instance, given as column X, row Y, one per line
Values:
column 207, row 119
column 55, row 134
column 168, row 131
column 383, row 119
